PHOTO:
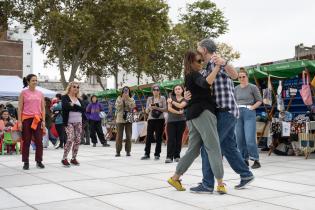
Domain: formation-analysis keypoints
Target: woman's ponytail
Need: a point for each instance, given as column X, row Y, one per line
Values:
column 25, row 84
column 27, row 79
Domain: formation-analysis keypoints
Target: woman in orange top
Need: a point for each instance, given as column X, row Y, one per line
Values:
column 31, row 120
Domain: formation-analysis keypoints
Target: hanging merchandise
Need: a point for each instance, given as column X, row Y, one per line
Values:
column 305, row 91
column 313, row 81
column 280, row 103
column 292, row 91
column 267, row 97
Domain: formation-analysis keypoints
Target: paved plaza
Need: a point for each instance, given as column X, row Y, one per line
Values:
column 105, row 182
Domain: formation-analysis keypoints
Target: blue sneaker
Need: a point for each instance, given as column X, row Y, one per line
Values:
column 244, row 183
column 200, row 189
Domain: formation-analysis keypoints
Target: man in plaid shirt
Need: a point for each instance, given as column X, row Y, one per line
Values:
column 227, row 114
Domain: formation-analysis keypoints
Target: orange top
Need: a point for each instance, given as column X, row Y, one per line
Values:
column 36, row 120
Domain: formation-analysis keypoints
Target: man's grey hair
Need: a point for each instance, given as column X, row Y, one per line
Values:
column 209, row 45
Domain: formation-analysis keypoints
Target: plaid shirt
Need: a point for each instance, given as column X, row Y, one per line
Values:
column 223, row 88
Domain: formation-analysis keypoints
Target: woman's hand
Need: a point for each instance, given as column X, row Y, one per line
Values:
column 20, row 126
column 181, row 111
column 169, row 100
column 43, row 125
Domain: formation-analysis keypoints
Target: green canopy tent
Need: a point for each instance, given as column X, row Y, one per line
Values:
column 281, row 70
column 108, row 94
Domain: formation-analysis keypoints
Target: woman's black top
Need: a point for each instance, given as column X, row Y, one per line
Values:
column 201, row 98
column 66, row 108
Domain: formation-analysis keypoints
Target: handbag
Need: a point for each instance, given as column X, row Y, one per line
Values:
column 280, row 103
column 313, row 82
column 305, row 91
column 127, row 116
column 102, row 115
column 267, row 97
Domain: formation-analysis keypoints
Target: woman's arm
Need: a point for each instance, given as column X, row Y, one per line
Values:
column 119, row 105
column 211, row 77
column 170, row 109
column 180, row 105
column 88, row 108
column 257, row 97
column 20, row 110
column 164, row 106
column 148, row 106
column 43, row 110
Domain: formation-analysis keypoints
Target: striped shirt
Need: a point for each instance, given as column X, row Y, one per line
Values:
column 223, row 88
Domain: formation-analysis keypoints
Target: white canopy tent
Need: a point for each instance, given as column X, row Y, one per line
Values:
column 11, row 87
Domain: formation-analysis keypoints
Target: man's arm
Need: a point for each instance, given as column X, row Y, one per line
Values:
column 231, row 71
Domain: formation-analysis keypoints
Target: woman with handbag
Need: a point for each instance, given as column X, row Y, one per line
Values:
column 124, row 105
column 93, row 112
column 248, row 99
column 155, row 107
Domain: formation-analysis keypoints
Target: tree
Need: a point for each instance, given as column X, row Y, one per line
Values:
column 70, row 30
column 226, row 51
column 203, row 20
column 5, row 13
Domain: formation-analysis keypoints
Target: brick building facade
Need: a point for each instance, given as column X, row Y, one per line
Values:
column 11, row 57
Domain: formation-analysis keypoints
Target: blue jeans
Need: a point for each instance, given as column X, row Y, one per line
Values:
column 246, row 134
column 226, row 126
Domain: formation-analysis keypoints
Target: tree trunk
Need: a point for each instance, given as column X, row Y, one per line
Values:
column 99, row 80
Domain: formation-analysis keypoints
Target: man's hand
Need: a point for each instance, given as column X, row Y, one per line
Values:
column 187, row 95
column 218, row 60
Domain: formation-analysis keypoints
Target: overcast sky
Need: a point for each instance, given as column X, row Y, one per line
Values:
column 261, row 31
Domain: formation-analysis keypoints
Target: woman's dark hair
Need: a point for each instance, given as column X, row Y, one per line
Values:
column 190, row 57
column 85, row 97
column 243, row 70
column 3, row 111
column 27, row 79
column 123, row 89
column 58, row 95
column 173, row 91
column 47, row 101
column 93, row 97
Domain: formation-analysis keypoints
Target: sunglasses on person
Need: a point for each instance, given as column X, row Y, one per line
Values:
column 242, row 77
column 156, row 89
column 77, row 87
column 199, row 61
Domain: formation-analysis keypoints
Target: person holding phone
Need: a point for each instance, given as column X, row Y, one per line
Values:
column 72, row 115
column 155, row 107
column 124, row 105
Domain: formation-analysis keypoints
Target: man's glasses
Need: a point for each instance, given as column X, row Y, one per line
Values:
column 242, row 77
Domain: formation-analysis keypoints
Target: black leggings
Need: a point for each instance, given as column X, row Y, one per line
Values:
column 175, row 132
column 157, row 127
column 61, row 133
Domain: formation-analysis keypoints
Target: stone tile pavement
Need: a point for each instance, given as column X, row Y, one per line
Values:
column 105, row 182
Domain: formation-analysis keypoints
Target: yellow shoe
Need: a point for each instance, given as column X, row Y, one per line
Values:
column 178, row 186
column 221, row 189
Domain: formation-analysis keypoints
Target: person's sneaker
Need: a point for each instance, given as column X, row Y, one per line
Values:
column 221, row 189
column 156, row 157
column 247, row 162
column 177, row 184
column 57, row 146
column 168, row 160
column 244, row 183
column 145, row 157
column 94, row 145
column 177, row 160
column 88, row 143
column 65, row 163
column 74, row 162
column 128, row 154
column 26, row 166
column 117, row 155
column 40, row 165
column 200, row 189
column 106, row 145
column 57, row 143
column 256, row 164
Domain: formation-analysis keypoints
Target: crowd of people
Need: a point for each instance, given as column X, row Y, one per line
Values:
column 204, row 104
